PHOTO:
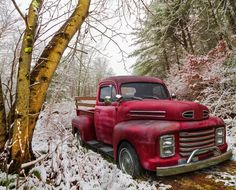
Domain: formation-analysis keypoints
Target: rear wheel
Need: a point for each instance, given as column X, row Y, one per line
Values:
column 128, row 160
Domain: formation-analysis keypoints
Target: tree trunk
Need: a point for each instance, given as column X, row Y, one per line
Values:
column 184, row 38
column 167, row 65
column 42, row 73
column 3, row 126
column 232, row 20
column 20, row 139
column 177, row 55
column 190, row 40
column 233, row 5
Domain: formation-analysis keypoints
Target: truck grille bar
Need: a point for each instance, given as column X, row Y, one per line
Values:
column 192, row 140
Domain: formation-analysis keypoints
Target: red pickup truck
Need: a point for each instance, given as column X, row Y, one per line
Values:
column 137, row 122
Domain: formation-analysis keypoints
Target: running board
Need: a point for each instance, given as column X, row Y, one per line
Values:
column 101, row 147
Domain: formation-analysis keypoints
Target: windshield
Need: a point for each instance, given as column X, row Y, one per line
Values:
column 144, row 90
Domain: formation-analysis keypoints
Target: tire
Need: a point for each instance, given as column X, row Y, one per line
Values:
column 79, row 141
column 128, row 160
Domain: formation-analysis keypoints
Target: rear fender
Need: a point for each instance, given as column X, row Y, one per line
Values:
column 85, row 125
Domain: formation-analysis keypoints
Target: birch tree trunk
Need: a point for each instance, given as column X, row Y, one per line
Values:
column 20, row 140
column 42, row 73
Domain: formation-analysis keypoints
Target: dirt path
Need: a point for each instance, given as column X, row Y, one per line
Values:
column 221, row 177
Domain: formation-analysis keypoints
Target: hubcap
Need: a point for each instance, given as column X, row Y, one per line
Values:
column 126, row 161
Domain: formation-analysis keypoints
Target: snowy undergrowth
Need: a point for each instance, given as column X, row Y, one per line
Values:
column 231, row 135
column 66, row 166
column 224, row 177
column 228, row 178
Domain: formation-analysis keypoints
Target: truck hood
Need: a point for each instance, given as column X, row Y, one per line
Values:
column 171, row 110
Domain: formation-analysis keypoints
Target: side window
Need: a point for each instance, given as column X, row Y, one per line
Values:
column 107, row 91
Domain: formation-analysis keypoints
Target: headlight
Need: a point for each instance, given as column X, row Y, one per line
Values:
column 167, row 146
column 220, row 136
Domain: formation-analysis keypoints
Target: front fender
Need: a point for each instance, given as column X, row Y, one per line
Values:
column 85, row 124
column 143, row 135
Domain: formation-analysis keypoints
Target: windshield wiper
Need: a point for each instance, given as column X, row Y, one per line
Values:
column 152, row 97
column 132, row 98
column 137, row 98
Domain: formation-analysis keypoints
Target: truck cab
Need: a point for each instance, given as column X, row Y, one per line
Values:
column 138, row 123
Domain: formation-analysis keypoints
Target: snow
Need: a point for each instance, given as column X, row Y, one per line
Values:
column 68, row 167
column 11, row 180
column 231, row 134
column 225, row 177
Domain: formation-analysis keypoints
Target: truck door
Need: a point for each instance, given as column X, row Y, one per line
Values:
column 105, row 114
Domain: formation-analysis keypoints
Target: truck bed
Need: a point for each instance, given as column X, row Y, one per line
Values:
column 85, row 105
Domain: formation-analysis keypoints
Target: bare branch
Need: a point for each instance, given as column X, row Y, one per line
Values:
column 19, row 11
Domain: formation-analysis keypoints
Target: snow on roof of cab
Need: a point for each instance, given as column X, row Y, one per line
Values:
column 127, row 79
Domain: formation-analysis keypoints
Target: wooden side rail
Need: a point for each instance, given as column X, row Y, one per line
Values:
column 85, row 101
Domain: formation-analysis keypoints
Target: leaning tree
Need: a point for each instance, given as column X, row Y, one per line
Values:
column 33, row 80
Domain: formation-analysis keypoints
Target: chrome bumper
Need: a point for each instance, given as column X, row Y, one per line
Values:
column 192, row 166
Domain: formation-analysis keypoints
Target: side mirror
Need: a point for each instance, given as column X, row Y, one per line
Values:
column 107, row 100
column 119, row 97
column 173, row 96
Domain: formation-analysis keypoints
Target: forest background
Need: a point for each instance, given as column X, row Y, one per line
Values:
column 190, row 44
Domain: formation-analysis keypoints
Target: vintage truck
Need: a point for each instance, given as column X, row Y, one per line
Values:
column 136, row 121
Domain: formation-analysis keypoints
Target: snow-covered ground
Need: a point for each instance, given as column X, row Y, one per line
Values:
column 67, row 167
column 226, row 177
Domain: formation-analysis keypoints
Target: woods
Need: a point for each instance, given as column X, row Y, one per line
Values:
column 52, row 51
column 191, row 44
column 174, row 29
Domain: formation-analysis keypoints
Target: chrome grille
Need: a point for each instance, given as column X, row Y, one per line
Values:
column 192, row 140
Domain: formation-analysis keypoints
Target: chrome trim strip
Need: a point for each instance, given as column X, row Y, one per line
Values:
column 196, row 133
column 192, row 139
column 194, row 148
column 141, row 115
column 147, row 111
column 193, row 144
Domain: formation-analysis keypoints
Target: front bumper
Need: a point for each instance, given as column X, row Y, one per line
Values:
column 192, row 166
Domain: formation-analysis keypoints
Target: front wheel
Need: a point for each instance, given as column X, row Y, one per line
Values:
column 128, row 160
